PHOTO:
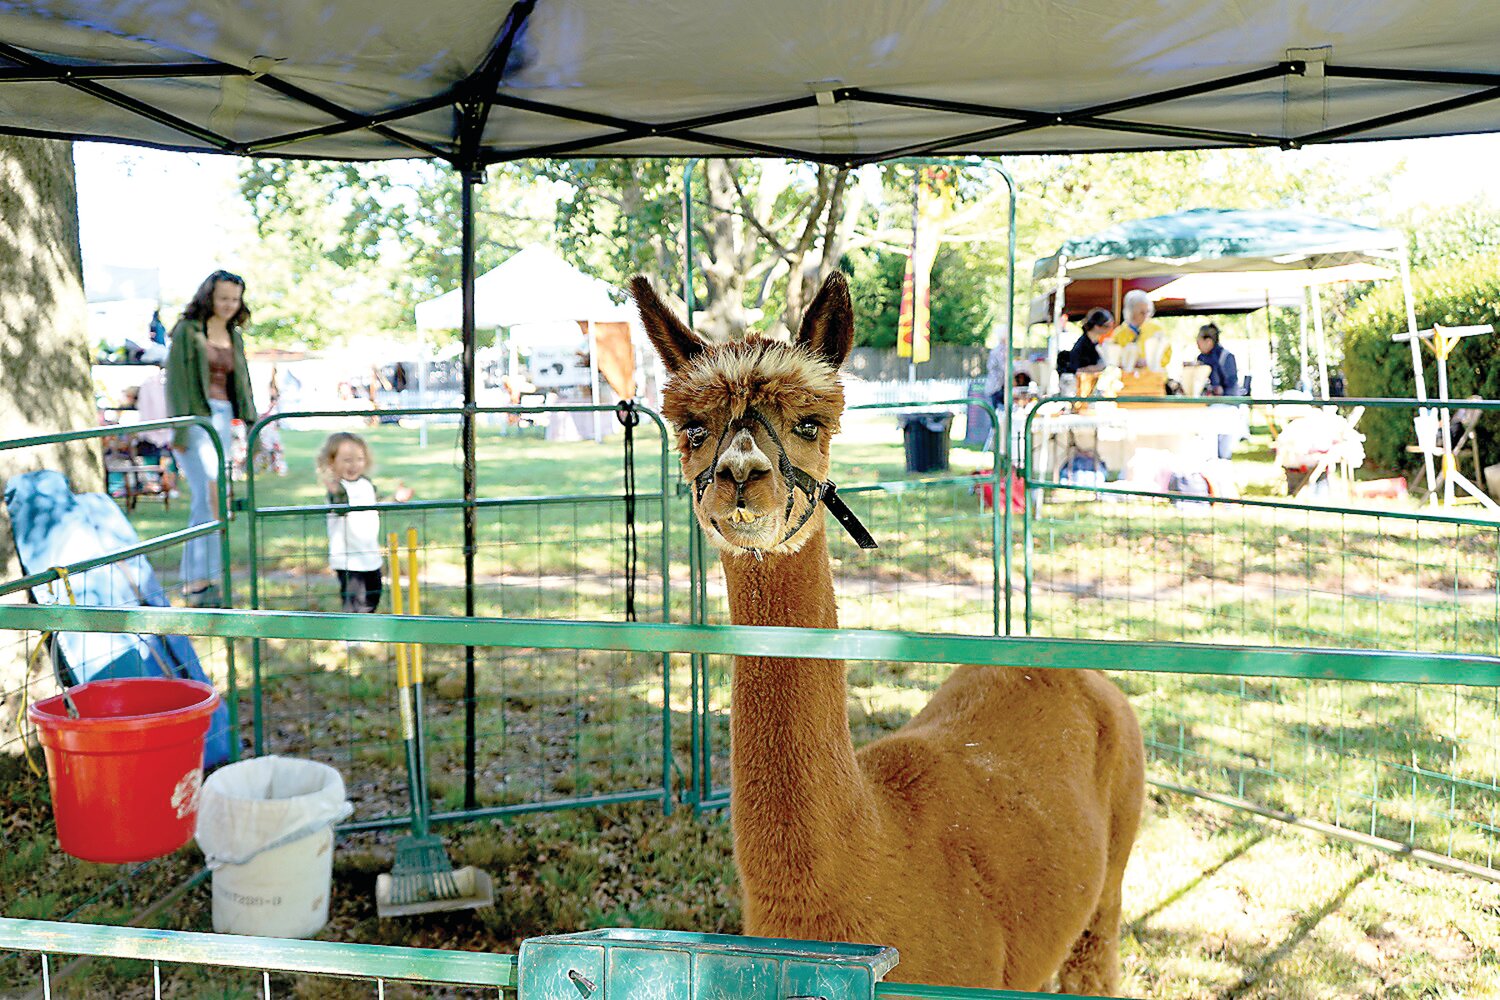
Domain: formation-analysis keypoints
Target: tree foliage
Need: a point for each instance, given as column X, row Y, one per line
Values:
column 965, row 294
column 1454, row 233
column 349, row 249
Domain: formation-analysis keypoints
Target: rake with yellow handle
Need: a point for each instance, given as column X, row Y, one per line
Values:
column 422, row 880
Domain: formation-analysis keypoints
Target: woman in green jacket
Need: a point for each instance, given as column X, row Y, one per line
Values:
column 207, row 376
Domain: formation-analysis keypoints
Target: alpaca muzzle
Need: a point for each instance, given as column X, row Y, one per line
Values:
column 732, row 453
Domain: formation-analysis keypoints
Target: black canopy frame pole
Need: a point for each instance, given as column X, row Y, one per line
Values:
column 472, row 114
column 482, row 90
column 469, row 181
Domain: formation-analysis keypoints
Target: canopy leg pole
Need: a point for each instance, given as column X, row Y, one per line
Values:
column 594, row 381
column 1421, row 376
column 1007, row 420
column 1270, row 344
column 1054, row 338
column 1304, row 378
column 1322, row 341
column 470, row 179
column 422, row 393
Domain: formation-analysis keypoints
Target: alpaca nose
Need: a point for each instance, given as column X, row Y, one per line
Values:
column 743, row 461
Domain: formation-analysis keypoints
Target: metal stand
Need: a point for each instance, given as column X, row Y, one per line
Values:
column 1443, row 340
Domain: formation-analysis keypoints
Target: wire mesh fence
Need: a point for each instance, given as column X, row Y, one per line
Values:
column 558, row 726
column 1146, row 661
column 506, row 729
column 1134, row 560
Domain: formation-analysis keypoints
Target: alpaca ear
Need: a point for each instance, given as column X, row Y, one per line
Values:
column 676, row 344
column 828, row 326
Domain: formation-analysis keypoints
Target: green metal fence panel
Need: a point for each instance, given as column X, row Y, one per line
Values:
column 1425, row 672
column 856, row 645
column 1401, row 807
column 629, row 964
column 184, row 963
column 1413, row 765
column 1395, row 745
column 612, row 964
column 543, row 729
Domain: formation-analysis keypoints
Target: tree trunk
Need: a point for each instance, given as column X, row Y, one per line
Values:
column 723, row 316
column 43, row 345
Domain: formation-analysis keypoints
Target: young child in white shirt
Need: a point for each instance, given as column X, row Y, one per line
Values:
column 354, row 549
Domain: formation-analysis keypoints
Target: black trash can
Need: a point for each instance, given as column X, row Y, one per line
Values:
column 926, row 436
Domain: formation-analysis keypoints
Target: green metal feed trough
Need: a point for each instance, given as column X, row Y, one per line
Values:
column 671, row 965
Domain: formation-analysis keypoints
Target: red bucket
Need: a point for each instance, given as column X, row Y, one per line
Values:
column 125, row 776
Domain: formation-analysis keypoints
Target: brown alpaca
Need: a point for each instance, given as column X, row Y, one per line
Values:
column 986, row 840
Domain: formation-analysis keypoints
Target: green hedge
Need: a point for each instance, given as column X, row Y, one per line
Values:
column 1462, row 294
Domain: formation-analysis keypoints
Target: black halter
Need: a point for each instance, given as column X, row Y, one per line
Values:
column 797, row 480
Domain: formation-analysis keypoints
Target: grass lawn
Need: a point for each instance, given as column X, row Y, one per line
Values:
column 1219, row 904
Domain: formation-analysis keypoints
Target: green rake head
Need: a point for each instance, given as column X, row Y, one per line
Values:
column 423, row 880
column 422, row 871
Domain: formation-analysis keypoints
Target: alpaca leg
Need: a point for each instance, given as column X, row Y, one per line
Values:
column 1093, row 966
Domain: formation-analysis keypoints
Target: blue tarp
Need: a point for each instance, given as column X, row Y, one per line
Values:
column 55, row 527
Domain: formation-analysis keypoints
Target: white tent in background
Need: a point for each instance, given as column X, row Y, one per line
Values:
column 534, row 288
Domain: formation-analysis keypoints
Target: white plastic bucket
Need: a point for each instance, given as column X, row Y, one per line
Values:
column 266, row 830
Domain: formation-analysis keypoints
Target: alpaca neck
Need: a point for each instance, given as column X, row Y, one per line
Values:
column 794, row 776
column 794, row 589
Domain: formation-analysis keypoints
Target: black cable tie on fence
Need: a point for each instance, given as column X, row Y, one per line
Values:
column 625, row 412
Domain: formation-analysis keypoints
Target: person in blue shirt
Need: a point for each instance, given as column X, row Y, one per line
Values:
column 1223, row 371
column 1223, row 378
column 158, row 329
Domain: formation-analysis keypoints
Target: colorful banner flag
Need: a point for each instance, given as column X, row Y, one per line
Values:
column 905, row 322
column 914, row 327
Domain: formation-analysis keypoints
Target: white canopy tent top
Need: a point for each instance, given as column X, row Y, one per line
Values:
column 475, row 82
column 534, row 285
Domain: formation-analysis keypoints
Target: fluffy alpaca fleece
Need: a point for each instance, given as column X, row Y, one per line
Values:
column 772, row 374
column 987, row 839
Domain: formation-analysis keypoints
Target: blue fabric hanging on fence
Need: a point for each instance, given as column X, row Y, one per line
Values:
column 54, row 527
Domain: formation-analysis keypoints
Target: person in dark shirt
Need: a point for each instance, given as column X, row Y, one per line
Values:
column 1098, row 324
column 1223, row 371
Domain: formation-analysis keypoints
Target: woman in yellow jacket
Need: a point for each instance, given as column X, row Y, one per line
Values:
column 1142, row 340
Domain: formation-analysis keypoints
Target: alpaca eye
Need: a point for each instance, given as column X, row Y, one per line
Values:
column 696, row 434
column 807, row 430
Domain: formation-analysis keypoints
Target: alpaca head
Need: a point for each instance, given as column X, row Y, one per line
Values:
column 753, row 419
